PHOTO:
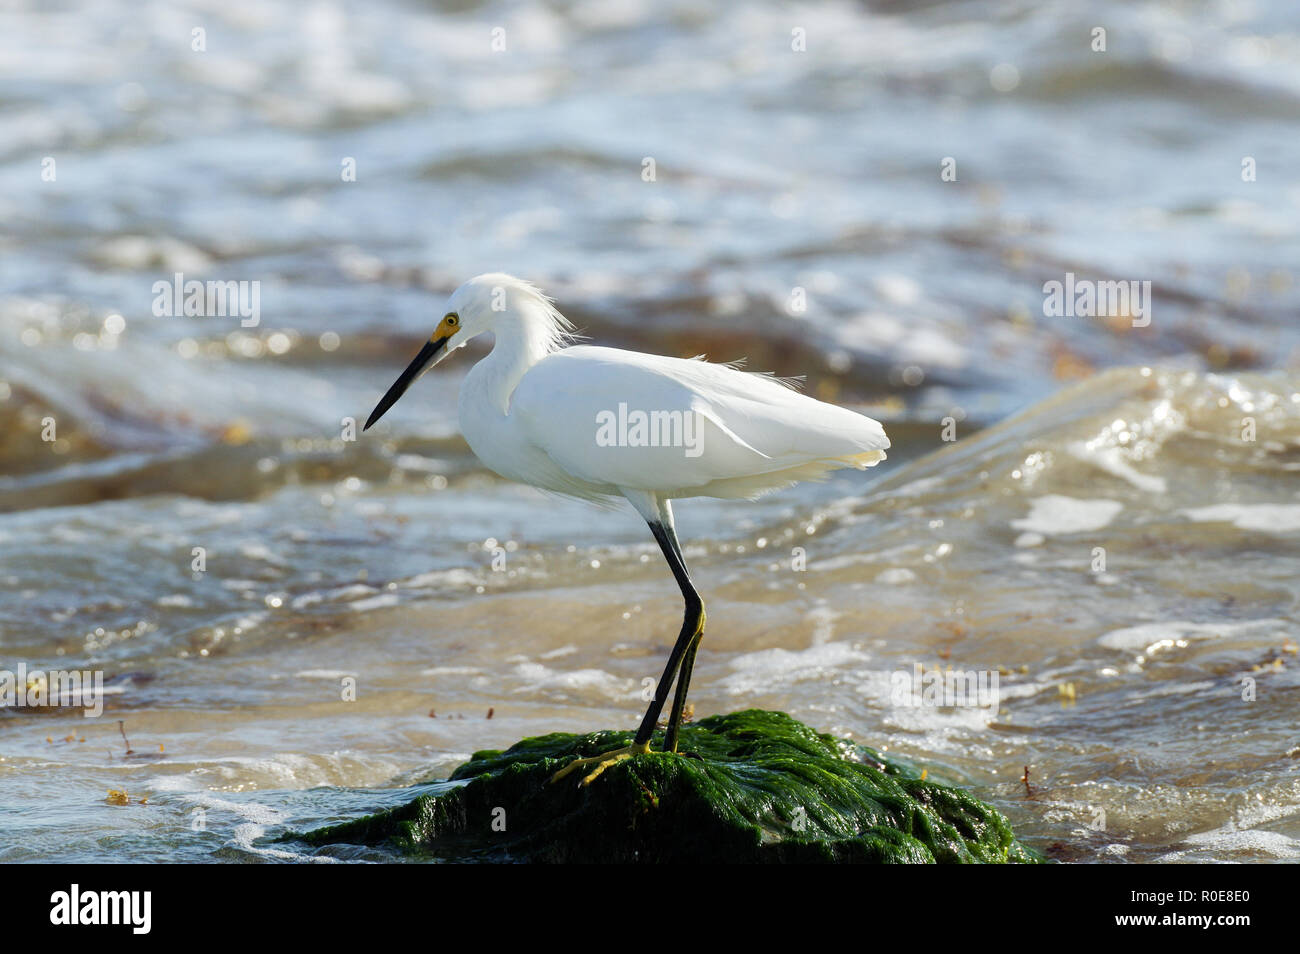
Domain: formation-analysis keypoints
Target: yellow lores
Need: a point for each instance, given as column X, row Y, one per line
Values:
column 531, row 411
column 446, row 328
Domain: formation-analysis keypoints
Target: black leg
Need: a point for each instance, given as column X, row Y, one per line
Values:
column 684, row 675
column 679, row 697
column 687, row 639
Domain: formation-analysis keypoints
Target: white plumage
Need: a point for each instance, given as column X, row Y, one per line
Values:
column 530, row 411
column 754, row 434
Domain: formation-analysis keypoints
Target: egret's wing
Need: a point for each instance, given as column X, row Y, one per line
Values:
column 783, row 423
column 701, row 424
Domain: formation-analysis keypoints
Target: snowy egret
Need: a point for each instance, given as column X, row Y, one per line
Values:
column 600, row 423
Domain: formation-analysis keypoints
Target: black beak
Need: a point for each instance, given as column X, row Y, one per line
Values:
column 413, row 371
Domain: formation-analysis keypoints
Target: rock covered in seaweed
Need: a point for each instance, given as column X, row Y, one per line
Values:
column 753, row 786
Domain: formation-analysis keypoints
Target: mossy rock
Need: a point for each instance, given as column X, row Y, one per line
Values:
column 753, row 786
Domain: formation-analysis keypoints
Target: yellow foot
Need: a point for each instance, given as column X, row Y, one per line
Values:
column 602, row 762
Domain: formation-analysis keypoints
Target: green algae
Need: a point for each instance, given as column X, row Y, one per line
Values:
column 753, row 786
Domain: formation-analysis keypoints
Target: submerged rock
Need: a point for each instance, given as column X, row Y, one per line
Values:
column 753, row 786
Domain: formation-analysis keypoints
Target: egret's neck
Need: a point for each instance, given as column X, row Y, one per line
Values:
column 523, row 337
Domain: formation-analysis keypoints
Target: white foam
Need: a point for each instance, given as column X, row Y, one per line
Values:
column 898, row 289
column 323, row 674
column 1154, row 637
column 451, row 671
column 895, row 576
column 246, row 833
column 1111, row 460
column 760, row 671
column 537, row 676
column 375, row 602
column 457, row 576
column 1215, row 845
column 1264, row 518
column 1058, row 514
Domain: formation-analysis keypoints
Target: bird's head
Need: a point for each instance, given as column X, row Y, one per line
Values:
column 477, row 306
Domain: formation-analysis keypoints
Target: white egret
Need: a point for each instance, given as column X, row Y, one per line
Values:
column 600, row 423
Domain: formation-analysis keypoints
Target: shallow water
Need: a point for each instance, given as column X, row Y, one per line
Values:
column 447, row 594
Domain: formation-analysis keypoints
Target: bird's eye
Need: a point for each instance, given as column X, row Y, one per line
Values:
column 452, row 320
